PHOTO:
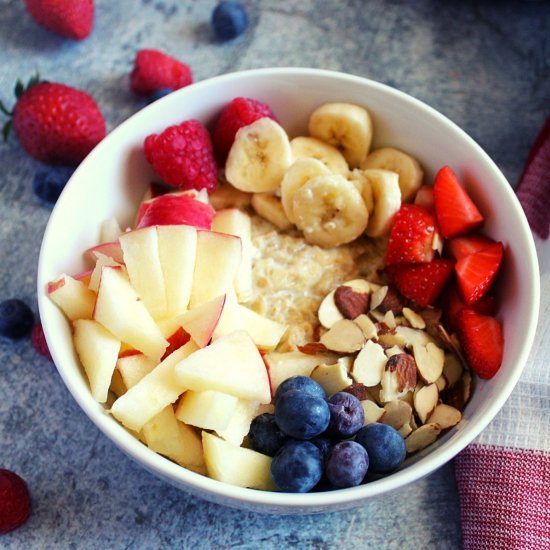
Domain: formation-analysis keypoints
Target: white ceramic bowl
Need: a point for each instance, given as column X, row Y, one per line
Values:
column 110, row 181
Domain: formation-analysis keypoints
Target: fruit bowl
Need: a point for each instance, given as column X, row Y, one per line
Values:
column 111, row 181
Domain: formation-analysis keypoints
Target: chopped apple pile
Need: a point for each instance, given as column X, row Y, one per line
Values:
column 164, row 339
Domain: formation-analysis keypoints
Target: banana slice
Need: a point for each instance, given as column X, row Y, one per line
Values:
column 386, row 198
column 259, row 157
column 362, row 182
column 330, row 211
column 298, row 174
column 409, row 169
column 304, row 146
column 269, row 207
column 346, row 126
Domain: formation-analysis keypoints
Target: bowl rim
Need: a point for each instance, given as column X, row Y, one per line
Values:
column 275, row 501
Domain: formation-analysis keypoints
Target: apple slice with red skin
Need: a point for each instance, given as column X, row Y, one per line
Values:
column 112, row 249
column 201, row 321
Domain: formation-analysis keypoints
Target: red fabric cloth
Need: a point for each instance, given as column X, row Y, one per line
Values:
column 504, row 498
column 533, row 190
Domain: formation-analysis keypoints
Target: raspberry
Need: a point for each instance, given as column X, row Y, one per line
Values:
column 39, row 341
column 182, row 156
column 155, row 70
column 239, row 112
column 15, row 501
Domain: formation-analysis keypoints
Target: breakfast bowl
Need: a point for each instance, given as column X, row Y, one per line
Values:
column 112, row 180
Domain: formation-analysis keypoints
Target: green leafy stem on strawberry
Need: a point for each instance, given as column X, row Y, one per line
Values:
column 437, row 255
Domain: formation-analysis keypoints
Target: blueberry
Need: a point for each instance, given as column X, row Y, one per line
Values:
column 47, row 185
column 265, row 436
column 16, row 318
column 385, row 447
column 301, row 415
column 297, row 467
column 301, row 383
column 158, row 94
column 229, row 20
column 347, row 464
column 324, row 444
column 346, row 415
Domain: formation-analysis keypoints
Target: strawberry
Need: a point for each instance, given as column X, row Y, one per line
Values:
column 462, row 246
column 421, row 282
column 55, row 123
column 155, row 70
column 482, row 339
column 455, row 211
column 69, row 18
column 182, row 156
column 476, row 272
column 239, row 112
column 15, row 501
column 453, row 304
column 411, row 236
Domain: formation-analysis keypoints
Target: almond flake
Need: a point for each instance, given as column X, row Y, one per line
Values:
column 389, row 320
column 344, row 337
column 369, row 364
column 332, row 378
column 425, row 401
column 452, row 369
column 373, row 412
column 378, row 296
column 328, row 313
column 313, row 348
column 422, row 437
column 441, row 383
column 445, row 415
column 429, row 360
column 397, row 414
column 367, row 326
column 415, row 320
column 406, row 429
column 393, row 350
column 405, row 367
column 359, row 390
column 350, row 303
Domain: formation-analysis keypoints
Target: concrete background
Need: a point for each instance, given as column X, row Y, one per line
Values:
column 485, row 65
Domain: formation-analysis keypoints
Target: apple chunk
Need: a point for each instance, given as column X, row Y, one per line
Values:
column 211, row 410
column 217, row 262
column 236, row 465
column 119, row 309
column 152, row 393
column 180, row 443
column 177, row 251
column 201, row 321
column 233, row 221
column 239, row 423
column 74, row 298
column 265, row 333
column 141, row 256
column 133, row 368
column 98, row 350
column 231, row 364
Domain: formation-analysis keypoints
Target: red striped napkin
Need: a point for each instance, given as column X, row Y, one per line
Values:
column 503, row 478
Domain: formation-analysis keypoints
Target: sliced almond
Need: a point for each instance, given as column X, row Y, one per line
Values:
column 452, row 369
column 406, row 429
column 414, row 319
column 313, row 348
column 350, row 303
column 369, row 364
column 397, row 414
column 393, row 350
column 413, row 336
column 408, row 398
column 328, row 313
column 373, row 412
column 344, row 337
column 445, row 415
column 378, row 296
column 441, row 384
column 389, row 320
column 429, row 360
column 422, row 437
column 360, row 391
column 404, row 366
column 367, row 326
column 425, row 401
column 332, row 378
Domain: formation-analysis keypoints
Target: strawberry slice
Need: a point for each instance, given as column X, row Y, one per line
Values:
column 462, row 246
column 422, row 282
column 411, row 236
column 476, row 272
column 482, row 339
column 453, row 304
column 455, row 211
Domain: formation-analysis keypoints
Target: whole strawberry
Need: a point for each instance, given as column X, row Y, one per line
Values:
column 239, row 112
column 69, row 18
column 155, row 70
column 182, row 156
column 55, row 123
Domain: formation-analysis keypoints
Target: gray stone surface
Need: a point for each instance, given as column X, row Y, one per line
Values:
column 483, row 64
